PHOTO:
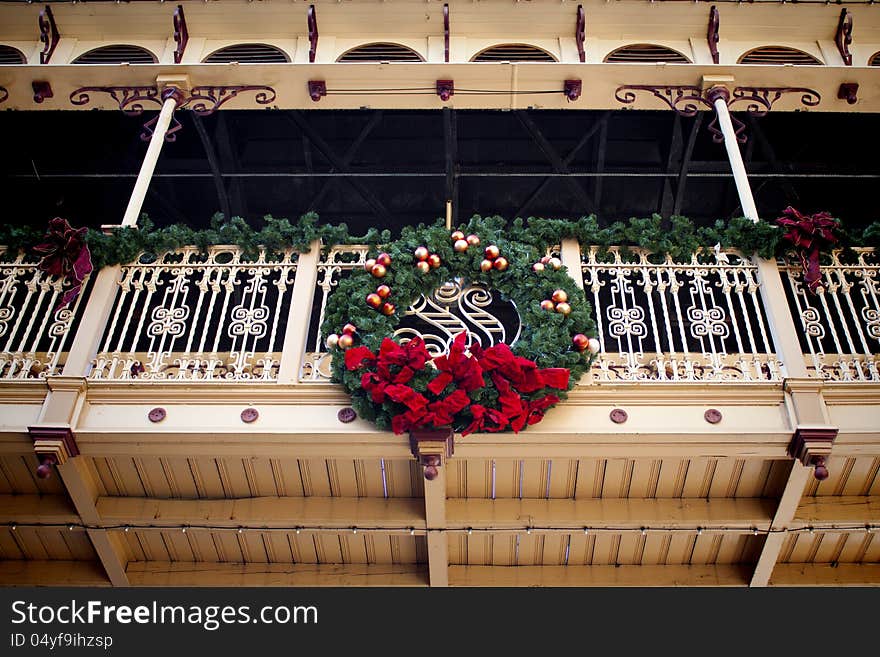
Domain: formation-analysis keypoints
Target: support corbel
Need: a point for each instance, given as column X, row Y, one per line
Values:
column 446, row 33
column 445, row 89
column 53, row 446
column 4, row 94
column 49, row 35
column 181, row 34
column 312, row 21
column 712, row 33
column 812, row 447
column 42, row 90
column 843, row 37
column 431, row 447
column 580, row 33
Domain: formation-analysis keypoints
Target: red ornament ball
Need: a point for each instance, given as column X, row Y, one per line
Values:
column 383, row 291
column 473, row 240
column 348, row 329
column 332, row 340
column 388, row 308
column 593, row 346
column 423, row 266
column 546, row 304
column 538, row 267
column 492, row 252
column 369, row 264
column 457, row 235
column 421, row 253
column 485, row 265
column 580, row 341
column 378, row 270
column 434, row 260
column 345, row 341
column 500, row 263
column 545, row 260
column 460, row 246
column 555, row 263
column 559, row 296
column 563, row 308
column 374, row 300
column 383, row 259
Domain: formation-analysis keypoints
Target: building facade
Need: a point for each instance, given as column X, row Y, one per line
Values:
column 176, row 425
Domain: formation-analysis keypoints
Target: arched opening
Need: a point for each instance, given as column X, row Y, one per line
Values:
column 380, row 52
column 120, row 54
column 779, row 55
column 875, row 59
column 248, row 53
column 646, row 53
column 10, row 55
column 513, row 52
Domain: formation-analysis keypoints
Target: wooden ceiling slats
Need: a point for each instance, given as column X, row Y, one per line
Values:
column 9, row 546
column 776, row 478
column 17, row 476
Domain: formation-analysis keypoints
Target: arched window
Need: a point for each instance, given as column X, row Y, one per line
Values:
column 646, row 53
column 380, row 52
column 10, row 55
column 875, row 59
column 117, row 55
column 247, row 53
column 513, row 52
column 779, row 55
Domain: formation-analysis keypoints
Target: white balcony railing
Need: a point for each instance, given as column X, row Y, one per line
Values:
column 185, row 315
column 840, row 325
column 34, row 332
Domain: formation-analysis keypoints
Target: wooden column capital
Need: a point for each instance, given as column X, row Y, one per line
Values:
column 812, row 446
column 431, row 447
column 53, row 446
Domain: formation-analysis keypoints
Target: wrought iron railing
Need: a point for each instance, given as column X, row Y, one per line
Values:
column 840, row 323
column 35, row 333
column 661, row 320
column 184, row 315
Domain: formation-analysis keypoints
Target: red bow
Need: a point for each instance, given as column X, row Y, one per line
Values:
column 65, row 254
column 458, row 367
column 809, row 234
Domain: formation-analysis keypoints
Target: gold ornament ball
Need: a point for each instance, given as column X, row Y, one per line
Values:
column 559, row 296
column 485, row 265
column 545, row 260
column 473, row 240
column 423, row 266
column 383, row 291
column 378, row 270
column 580, row 341
column 369, row 264
column 434, row 260
column 538, row 267
column 383, row 259
column 555, row 263
column 332, row 340
column 457, row 235
column 348, row 329
column 460, row 246
column 563, row 308
column 421, row 253
column 345, row 341
column 546, row 304
column 374, row 300
column 388, row 308
column 500, row 263
column 593, row 346
column 492, row 252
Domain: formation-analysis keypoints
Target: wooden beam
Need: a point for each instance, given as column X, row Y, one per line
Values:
column 230, row 162
column 807, row 574
column 265, row 512
column 788, row 504
column 46, row 509
column 83, row 493
column 164, row 573
column 686, row 163
column 598, row 576
column 507, row 514
column 52, row 573
column 435, row 518
column 842, row 510
column 601, row 151
column 674, row 157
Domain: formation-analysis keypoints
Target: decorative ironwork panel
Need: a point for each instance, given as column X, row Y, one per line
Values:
column 189, row 315
column 660, row 320
column 455, row 307
column 34, row 333
column 840, row 324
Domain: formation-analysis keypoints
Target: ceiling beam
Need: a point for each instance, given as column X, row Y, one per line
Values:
column 435, row 518
column 791, row 195
column 845, row 509
column 229, row 160
column 601, row 151
column 450, row 150
column 45, row 509
column 673, row 162
column 52, row 573
column 686, row 164
column 618, row 575
column 165, row 573
column 265, row 512
column 785, row 512
column 841, row 574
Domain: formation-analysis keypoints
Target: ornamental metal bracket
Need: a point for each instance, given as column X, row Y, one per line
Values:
column 446, row 33
column 572, row 89
column 445, row 89
column 579, row 33
column 4, row 94
column 317, row 89
column 812, row 446
column 712, row 33
column 312, row 20
column 203, row 100
column 181, row 34
column 843, row 37
column 48, row 34
column 42, row 90
column 53, row 446
column 431, row 447
column 848, row 91
column 686, row 100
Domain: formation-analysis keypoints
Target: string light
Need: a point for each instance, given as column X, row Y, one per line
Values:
column 126, row 529
column 586, row 530
column 183, row 529
column 412, row 531
column 240, row 530
column 755, row 531
column 298, row 530
column 644, row 531
column 699, row 531
column 470, row 531
column 70, row 528
column 528, row 530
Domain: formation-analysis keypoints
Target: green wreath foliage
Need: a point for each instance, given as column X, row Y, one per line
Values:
column 545, row 337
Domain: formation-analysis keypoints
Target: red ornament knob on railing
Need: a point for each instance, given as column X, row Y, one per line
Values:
column 820, row 472
column 47, row 461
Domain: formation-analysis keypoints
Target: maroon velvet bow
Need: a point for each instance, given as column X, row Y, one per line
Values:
column 809, row 234
column 66, row 255
column 458, row 367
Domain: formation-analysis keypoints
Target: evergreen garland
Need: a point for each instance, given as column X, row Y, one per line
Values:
column 678, row 237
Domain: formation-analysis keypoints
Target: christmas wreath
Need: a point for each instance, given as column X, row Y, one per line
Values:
column 398, row 384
